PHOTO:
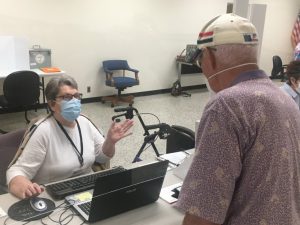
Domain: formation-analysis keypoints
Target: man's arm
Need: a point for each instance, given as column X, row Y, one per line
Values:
column 195, row 220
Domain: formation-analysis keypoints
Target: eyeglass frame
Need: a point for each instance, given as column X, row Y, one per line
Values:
column 199, row 55
column 67, row 97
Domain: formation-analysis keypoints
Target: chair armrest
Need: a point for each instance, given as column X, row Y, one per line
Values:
column 284, row 69
column 136, row 75
column 109, row 76
column 107, row 70
column 132, row 70
column 3, row 189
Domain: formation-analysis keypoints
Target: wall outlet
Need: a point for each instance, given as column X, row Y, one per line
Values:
column 88, row 89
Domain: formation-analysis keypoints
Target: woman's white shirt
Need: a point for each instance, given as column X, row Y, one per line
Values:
column 49, row 156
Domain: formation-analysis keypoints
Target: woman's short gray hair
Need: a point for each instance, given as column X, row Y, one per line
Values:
column 53, row 86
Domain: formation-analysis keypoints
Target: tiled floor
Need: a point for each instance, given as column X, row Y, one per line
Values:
column 183, row 111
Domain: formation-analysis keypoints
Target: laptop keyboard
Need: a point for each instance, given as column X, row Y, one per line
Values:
column 64, row 188
column 85, row 207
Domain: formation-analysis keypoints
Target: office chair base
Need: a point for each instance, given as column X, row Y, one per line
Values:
column 116, row 99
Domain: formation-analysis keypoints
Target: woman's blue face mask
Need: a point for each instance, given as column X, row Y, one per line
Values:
column 70, row 110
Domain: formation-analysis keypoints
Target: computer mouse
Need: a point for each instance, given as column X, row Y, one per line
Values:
column 38, row 204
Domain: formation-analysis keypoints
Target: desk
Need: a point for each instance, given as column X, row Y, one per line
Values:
column 159, row 212
column 42, row 75
column 185, row 68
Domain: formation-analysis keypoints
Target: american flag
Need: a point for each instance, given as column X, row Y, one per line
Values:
column 296, row 32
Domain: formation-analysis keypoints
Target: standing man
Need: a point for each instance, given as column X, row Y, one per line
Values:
column 246, row 168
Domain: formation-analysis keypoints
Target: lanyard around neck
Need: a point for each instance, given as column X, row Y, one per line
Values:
column 79, row 154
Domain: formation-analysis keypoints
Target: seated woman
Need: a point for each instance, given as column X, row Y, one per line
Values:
column 292, row 86
column 64, row 144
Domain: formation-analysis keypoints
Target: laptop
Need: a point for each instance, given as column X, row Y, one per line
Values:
column 120, row 192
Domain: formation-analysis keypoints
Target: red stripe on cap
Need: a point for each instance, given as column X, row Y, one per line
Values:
column 206, row 34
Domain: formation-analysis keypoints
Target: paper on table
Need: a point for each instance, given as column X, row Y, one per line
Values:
column 175, row 158
column 2, row 212
column 84, row 196
column 166, row 193
column 50, row 69
column 190, row 151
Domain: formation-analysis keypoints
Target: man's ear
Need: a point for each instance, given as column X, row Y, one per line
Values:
column 212, row 58
column 209, row 60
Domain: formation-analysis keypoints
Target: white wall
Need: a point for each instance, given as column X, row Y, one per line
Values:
column 148, row 33
column 279, row 21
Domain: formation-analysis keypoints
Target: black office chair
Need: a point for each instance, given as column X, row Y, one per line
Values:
column 278, row 70
column 180, row 139
column 9, row 144
column 21, row 90
column 119, row 82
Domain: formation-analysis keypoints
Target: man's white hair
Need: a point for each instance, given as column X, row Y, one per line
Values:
column 234, row 54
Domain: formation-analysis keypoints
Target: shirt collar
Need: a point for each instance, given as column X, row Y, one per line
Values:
column 249, row 75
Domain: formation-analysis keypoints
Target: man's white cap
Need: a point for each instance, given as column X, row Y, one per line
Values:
column 227, row 29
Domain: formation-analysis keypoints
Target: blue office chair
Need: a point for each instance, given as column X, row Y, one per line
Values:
column 119, row 82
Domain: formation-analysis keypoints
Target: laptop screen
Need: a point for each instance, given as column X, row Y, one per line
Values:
column 126, row 190
column 130, row 177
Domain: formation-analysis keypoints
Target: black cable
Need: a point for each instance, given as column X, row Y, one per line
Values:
column 43, row 221
column 6, row 220
column 82, row 223
column 152, row 115
column 61, row 220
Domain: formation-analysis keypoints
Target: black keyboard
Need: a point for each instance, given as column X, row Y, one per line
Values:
column 86, row 207
column 61, row 189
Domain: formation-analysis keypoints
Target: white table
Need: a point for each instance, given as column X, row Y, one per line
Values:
column 4, row 74
column 159, row 212
column 43, row 75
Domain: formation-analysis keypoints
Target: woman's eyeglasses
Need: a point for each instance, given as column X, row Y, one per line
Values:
column 68, row 97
